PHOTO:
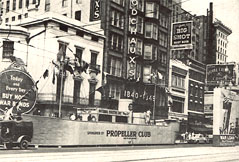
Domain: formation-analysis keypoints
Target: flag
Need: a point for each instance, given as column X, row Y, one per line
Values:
column 160, row 76
column 82, row 68
column 101, row 90
column 68, row 68
column 46, row 73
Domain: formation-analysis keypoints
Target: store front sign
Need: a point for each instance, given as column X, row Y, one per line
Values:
column 14, row 85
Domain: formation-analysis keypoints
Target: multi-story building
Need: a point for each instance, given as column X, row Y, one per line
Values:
column 51, row 43
column 193, row 57
column 136, row 51
column 136, row 47
column 178, row 86
column 221, row 34
column 217, row 39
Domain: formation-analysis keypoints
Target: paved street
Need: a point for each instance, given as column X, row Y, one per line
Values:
column 119, row 154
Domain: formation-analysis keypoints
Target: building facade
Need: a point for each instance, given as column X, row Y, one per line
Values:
column 70, row 58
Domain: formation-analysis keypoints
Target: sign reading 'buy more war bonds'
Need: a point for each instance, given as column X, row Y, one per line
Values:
column 17, row 87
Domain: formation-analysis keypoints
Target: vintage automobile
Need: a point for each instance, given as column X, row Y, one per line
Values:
column 16, row 133
column 198, row 138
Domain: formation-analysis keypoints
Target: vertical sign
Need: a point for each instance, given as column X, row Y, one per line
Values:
column 132, row 39
column 182, row 34
column 95, row 10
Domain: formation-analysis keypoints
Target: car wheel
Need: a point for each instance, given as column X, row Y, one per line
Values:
column 8, row 146
column 23, row 144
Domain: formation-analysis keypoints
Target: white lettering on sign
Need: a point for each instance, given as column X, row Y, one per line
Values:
column 96, row 12
column 17, row 79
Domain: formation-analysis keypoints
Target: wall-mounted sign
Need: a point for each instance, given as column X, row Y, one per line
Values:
column 182, row 34
column 220, row 74
column 95, row 10
column 14, row 84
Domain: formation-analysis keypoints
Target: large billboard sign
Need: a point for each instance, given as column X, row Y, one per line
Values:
column 225, row 117
column 182, row 34
column 17, row 88
column 220, row 74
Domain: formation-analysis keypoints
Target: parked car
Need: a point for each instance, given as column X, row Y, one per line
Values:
column 198, row 138
column 16, row 133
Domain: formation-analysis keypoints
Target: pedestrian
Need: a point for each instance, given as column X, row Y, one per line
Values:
column 147, row 117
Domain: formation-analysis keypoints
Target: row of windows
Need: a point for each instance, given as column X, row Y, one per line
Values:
column 223, row 36
column 116, row 42
column 221, row 57
column 64, row 3
column 117, row 19
column 178, row 81
column 19, row 17
column 222, row 43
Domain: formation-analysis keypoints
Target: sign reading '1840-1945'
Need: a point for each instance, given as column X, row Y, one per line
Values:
column 14, row 85
column 181, row 34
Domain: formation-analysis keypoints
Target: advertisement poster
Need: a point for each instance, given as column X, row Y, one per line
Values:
column 225, row 116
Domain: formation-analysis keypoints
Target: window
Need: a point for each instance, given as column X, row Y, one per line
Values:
column 19, row 17
column 178, row 81
column 150, row 52
column 8, row 6
column 147, row 52
column 152, row 10
column 117, row 19
column 63, row 27
column 147, row 74
column 116, row 42
column 8, row 48
column 95, row 38
column 140, row 25
column 76, row 95
column 163, row 20
column 20, row 4
column 27, row 3
column 114, row 91
column 47, row 5
column 78, row 1
column 14, row 5
column 26, row 15
column 93, row 58
column 80, row 33
column 34, row 1
column 163, row 39
column 79, row 52
column 64, row 3
column 62, row 47
column 13, row 18
column 78, row 15
column 151, row 30
column 6, row 20
column 115, row 67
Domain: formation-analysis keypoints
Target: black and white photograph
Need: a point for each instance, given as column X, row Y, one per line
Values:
column 119, row 80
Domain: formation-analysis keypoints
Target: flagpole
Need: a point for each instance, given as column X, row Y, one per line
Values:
column 154, row 106
column 61, row 89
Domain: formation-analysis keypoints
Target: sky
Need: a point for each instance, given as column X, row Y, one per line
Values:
column 227, row 11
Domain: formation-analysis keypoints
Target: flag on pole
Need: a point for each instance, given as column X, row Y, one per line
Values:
column 160, row 76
